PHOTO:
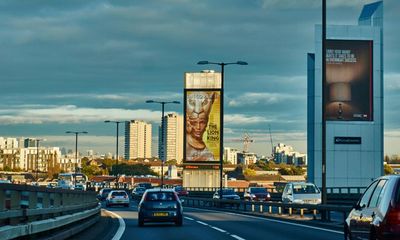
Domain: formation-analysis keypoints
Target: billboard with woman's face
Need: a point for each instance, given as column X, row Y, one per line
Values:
column 202, row 125
column 348, row 87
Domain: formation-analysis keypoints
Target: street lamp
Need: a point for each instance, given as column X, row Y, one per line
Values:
column 37, row 156
column 162, row 134
column 221, row 151
column 76, row 149
column 117, row 157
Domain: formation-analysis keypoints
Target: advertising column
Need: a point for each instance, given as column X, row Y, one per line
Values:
column 202, row 128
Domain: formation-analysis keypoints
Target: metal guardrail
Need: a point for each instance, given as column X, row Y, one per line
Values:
column 42, row 209
column 336, row 195
column 273, row 208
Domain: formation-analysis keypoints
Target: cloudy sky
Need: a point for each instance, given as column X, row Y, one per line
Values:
column 70, row 65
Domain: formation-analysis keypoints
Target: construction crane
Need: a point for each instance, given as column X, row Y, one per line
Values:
column 246, row 139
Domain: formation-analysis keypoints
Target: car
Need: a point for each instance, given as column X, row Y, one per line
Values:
column 377, row 214
column 227, row 194
column 257, row 194
column 160, row 205
column 301, row 193
column 80, row 187
column 144, row 185
column 117, row 197
column 138, row 192
column 103, row 193
column 182, row 192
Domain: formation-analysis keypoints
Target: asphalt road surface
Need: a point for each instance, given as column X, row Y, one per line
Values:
column 208, row 225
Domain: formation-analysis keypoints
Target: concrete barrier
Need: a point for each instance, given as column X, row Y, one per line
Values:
column 29, row 210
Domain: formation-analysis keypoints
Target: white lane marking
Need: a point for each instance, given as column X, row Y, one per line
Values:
column 202, row 223
column 237, row 237
column 121, row 228
column 218, row 229
column 273, row 220
column 188, row 218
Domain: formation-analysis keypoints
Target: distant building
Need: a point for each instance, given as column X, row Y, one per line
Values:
column 286, row 154
column 29, row 142
column 172, row 147
column 230, row 155
column 246, row 158
column 137, row 139
column 8, row 143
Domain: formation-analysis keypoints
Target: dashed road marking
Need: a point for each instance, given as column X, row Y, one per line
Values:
column 188, row 218
column 237, row 237
column 218, row 229
column 202, row 223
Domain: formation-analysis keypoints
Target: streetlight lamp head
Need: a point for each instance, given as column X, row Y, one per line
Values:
column 107, row 121
column 149, row 101
column 242, row 63
column 203, row 62
column 68, row 132
column 84, row 132
column 176, row 102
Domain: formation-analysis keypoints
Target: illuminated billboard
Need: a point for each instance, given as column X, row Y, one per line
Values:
column 348, row 87
column 202, row 125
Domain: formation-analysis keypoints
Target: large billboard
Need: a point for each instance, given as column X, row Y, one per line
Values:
column 348, row 87
column 202, row 125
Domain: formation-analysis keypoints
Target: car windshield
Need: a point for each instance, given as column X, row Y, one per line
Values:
column 118, row 193
column 227, row 192
column 140, row 189
column 179, row 189
column 106, row 191
column 258, row 190
column 304, row 188
column 160, row 196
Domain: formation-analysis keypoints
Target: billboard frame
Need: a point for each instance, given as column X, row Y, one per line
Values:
column 199, row 163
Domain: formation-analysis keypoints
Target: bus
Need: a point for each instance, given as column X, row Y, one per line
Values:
column 67, row 180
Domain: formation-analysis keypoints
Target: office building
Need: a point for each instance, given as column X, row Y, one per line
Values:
column 137, row 139
column 353, row 97
column 230, row 155
column 172, row 147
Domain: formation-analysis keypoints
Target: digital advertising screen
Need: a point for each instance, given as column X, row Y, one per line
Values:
column 202, row 126
column 348, row 87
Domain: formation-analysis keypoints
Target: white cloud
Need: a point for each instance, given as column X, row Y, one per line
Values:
column 241, row 119
column 253, row 98
column 71, row 114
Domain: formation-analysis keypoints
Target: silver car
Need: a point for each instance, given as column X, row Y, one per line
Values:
column 117, row 197
column 301, row 193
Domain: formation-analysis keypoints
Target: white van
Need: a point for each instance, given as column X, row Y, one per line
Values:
column 301, row 193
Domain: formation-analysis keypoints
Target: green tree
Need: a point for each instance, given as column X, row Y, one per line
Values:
column 388, row 169
column 249, row 172
column 132, row 169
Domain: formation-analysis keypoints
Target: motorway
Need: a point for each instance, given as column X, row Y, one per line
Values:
column 206, row 224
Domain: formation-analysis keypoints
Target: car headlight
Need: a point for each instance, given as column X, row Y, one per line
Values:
column 252, row 195
column 268, row 195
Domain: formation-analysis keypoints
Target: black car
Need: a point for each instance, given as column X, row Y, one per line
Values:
column 160, row 205
column 377, row 213
column 103, row 193
column 145, row 185
column 227, row 193
column 138, row 192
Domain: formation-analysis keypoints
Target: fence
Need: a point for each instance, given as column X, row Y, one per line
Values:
column 30, row 210
column 272, row 208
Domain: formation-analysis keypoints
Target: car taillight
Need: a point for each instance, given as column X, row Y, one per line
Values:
column 125, row 196
column 112, row 196
column 393, row 216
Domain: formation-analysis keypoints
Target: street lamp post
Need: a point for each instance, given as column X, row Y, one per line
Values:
column 37, row 156
column 76, row 149
column 117, row 156
column 162, row 134
column 323, row 180
column 221, row 151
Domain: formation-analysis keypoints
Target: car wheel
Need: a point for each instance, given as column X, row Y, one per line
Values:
column 179, row 222
column 140, row 222
column 347, row 234
column 372, row 234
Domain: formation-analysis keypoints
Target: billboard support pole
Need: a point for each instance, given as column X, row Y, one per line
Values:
column 221, row 150
column 323, row 180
